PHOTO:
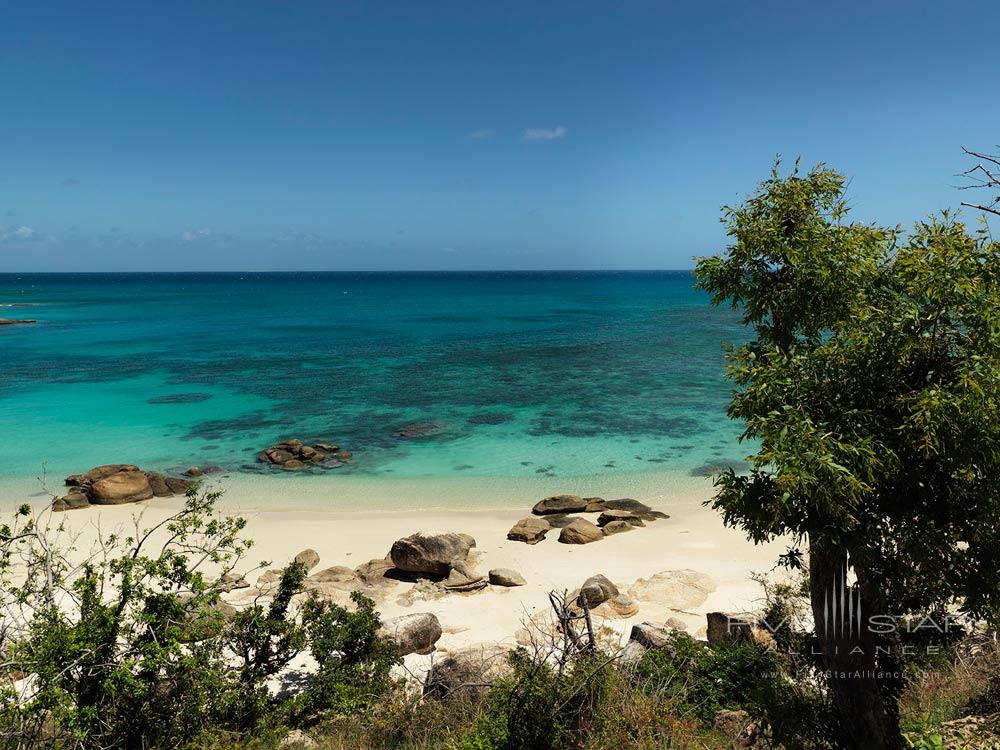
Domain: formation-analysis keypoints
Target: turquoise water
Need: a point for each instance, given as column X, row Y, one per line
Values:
column 554, row 374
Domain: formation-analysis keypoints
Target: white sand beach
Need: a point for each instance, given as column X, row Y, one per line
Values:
column 287, row 515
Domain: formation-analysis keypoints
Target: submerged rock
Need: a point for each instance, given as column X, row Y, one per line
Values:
column 420, row 429
column 294, row 454
column 15, row 321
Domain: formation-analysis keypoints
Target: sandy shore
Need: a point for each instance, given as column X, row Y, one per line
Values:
column 313, row 515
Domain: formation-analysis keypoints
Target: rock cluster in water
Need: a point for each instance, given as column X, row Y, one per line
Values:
column 615, row 517
column 295, row 454
column 15, row 321
column 114, row 484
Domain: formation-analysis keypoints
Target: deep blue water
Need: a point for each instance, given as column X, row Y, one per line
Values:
column 523, row 373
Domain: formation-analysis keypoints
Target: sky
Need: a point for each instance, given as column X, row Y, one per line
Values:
column 343, row 135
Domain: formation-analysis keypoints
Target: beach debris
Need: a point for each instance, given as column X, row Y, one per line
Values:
column 413, row 633
column 115, row 484
column 530, row 530
column 295, row 454
column 15, row 321
column 309, row 558
column 506, row 577
column 580, row 531
column 466, row 673
column 431, row 554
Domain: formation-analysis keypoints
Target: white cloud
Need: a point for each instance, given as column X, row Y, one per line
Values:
column 191, row 235
column 544, row 134
column 483, row 134
column 16, row 234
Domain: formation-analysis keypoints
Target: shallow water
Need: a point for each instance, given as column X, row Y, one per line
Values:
column 522, row 374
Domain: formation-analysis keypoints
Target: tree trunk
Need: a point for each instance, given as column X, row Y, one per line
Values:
column 846, row 646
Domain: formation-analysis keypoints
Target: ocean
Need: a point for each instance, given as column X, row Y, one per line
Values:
column 513, row 374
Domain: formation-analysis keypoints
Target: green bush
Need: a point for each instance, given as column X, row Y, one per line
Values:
column 538, row 705
column 133, row 650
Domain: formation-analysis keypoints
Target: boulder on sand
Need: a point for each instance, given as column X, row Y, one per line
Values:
column 506, row 577
column 636, row 508
column 599, row 591
column 413, row 634
column 469, row 673
column 729, row 627
column 617, row 527
column 560, row 504
column 431, row 554
column 608, row 516
column 126, row 486
column 580, row 531
column 308, row 558
column 70, row 501
column 113, row 484
column 530, row 530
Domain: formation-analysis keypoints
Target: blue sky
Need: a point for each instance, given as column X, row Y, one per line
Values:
column 464, row 135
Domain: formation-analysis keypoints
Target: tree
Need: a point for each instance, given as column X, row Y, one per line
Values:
column 871, row 392
column 985, row 175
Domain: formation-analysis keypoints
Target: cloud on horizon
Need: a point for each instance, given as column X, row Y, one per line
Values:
column 544, row 134
column 483, row 134
column 16, row 234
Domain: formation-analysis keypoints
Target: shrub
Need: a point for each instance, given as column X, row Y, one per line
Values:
column 132, row 649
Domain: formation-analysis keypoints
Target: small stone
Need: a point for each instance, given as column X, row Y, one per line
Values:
column 529, row 530
column 608, row 516
column 194, row 471
column 506, row 577
column 617, row 527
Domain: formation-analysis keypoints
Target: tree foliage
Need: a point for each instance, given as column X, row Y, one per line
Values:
column 871, row 392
